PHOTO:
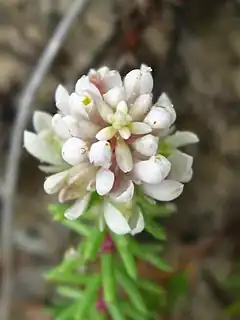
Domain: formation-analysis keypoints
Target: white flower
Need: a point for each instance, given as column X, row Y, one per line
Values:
column 105, row 138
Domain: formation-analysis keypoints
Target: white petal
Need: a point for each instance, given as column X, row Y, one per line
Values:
column 124, row 193
column 122, row 107
column 114, row 96
column 123, row 156
column 132, row 83
column 60, row 127
column 125, row 133
column 182, row 138
column 78, row 208
column 104, row 181
column 74, row 151
column 104, row 110
column 55, row 182
column 62, row 99
column 181, row 165
column 146, row 85
column 111, row 79
column 72, row 126
column 42, row 121
column 100, row 154
column 77, row 107
column 106, row 133
column 187, row 177
column 153, row 170
column 166, row 103
column 140, row 106
column 39, row 148
column 167, row 190
column 88, row 129
column 84, row 85
column 115, row 219
column 140, row 128
column 139, row 226
column 147, row 145
column 158, row 118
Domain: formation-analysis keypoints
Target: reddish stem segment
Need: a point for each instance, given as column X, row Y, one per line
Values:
column 107, row 246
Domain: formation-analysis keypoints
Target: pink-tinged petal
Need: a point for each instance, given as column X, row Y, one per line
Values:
column 123, row 156
column 78, row 209
column 181, row 165
column 42, row 121
column 153, row 170
column 62, row 99
column 74, row 151
column 104, row 181
column 115, row 220
column 84, row 85
column 55, row 182
column 166, row 190
column 106, row 133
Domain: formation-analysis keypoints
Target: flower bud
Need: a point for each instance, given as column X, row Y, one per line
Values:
column 153, row 170
column 166, row 103
column 158, row 118
column 100, row 154
column 146, row 145
column 74, row 151
column 123, row 156
column 138, row 81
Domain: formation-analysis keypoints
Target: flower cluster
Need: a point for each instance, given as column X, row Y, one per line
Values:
column 109, row 138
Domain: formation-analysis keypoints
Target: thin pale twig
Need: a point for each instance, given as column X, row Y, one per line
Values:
column 12, row 167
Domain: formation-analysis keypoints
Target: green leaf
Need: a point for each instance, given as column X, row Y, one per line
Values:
column 69, row 292
column 77, row 226
column 88, row 299
column 115, row 312
column 151, row 287
column 128, row 259
column 92, row 244
column 157, row 231
column 75, row 279
column 131, row 313
column 156, row 209
column 151, row 258
column 131, row 289
column 108, row 277
column 67, row 314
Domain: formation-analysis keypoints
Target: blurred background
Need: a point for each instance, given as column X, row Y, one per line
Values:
column 193, row 47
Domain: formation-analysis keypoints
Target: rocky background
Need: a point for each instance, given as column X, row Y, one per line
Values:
column 194, row 49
